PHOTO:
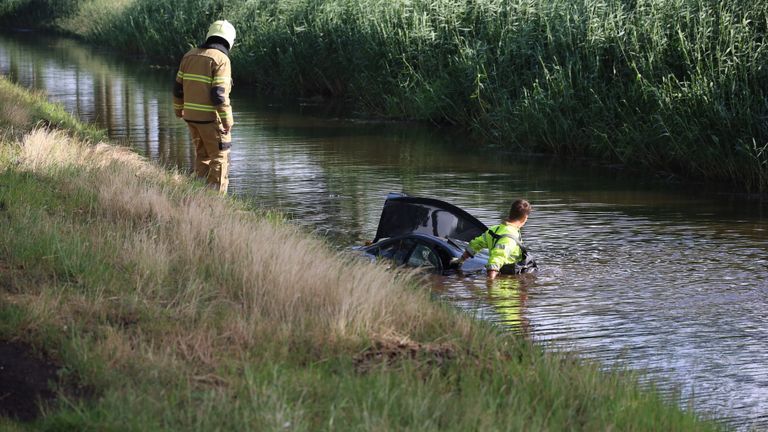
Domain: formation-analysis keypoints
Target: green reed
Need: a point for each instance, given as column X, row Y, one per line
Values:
column 677, row 86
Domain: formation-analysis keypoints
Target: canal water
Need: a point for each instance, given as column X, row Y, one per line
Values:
column 635, row 272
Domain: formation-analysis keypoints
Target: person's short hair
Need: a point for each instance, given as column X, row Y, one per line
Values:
column 519, row 209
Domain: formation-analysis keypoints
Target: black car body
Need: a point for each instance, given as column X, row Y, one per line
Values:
column 426, row 233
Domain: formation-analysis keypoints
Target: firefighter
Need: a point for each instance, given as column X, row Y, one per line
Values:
column 201, row 98
column 503, row 242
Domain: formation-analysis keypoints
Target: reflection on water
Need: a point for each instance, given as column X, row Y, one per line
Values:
column 663, row 280
column 502, row 300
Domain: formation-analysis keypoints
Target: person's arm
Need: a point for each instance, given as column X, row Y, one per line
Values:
column 178, row 94
column 475, row 245
column 220, row 88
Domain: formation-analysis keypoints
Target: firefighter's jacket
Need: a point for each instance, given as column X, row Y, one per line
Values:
column 203, row 83
column 503, row 244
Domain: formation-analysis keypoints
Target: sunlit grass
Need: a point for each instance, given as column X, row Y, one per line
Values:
column 185, row 248
column 20, row 110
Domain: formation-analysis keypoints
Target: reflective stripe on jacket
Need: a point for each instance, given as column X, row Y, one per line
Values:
column 203, row 83
column 501, row 251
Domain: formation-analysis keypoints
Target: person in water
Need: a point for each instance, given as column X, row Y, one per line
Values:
column 503, row 241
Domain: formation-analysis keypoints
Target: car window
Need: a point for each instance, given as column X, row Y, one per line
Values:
column 397, row 250
column 424, row 256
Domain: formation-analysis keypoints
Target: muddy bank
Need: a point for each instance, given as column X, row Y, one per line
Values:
column 27, row 381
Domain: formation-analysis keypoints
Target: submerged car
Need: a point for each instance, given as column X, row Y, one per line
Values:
column 430, row 234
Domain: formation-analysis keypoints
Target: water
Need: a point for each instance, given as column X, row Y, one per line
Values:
column 660, row 278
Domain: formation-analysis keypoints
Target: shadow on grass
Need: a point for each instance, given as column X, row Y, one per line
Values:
column 25, row 381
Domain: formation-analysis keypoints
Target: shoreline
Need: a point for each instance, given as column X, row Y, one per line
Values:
column 547, row 84
column 610, row 170
column 159, row 340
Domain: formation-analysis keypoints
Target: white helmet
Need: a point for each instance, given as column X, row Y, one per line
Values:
column 223, row 29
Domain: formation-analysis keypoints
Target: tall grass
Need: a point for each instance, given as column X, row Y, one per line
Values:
column 176, row 242
column 20, row 110
column 678, row 86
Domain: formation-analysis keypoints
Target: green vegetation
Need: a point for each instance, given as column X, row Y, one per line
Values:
column 678, row 86
column 172, row 308
column 20, row 110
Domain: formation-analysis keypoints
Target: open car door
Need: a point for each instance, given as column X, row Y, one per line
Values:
column 403, row 214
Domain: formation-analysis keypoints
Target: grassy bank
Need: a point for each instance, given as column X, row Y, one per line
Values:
column 678, row 86
column 167, row 307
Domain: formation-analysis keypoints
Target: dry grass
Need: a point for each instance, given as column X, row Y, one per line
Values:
column 14, row 114
column 195, row 254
